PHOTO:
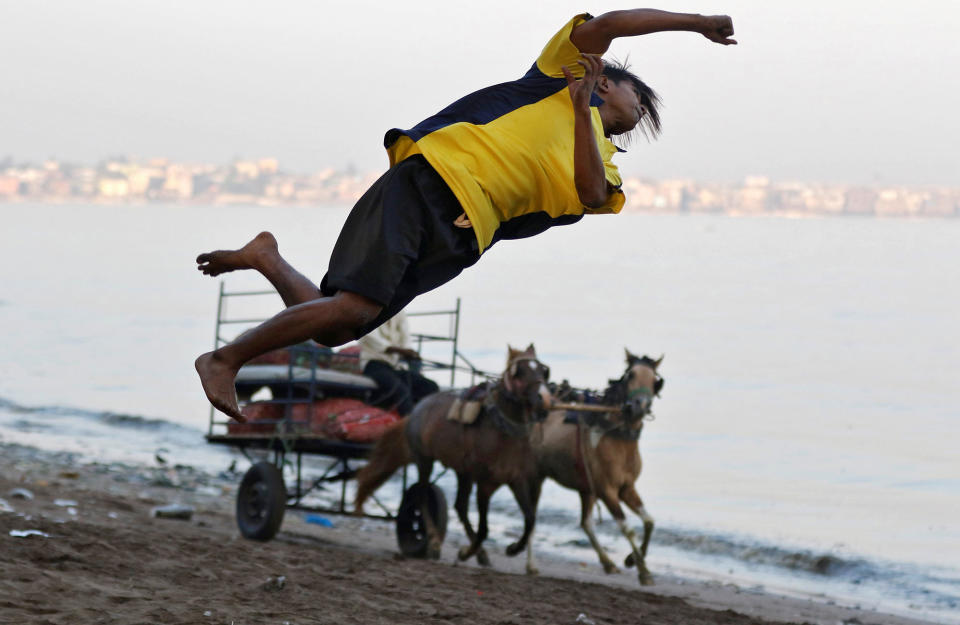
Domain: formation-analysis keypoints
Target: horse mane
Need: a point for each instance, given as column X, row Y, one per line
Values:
column 616, row 391
column 644, row 360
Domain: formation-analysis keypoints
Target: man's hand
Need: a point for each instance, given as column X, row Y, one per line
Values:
column 594, row 36
column 588, row 171
column 404, row 352
column 581, row 90
column 719, row 29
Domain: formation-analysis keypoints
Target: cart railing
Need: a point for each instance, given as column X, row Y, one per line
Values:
column 315, row 357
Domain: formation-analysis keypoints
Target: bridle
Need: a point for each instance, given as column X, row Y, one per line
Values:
column 510, row 373
column 638, row 402
column 509, row 392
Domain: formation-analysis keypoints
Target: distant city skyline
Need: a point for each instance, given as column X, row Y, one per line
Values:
column 264, row 182
column 855, row 92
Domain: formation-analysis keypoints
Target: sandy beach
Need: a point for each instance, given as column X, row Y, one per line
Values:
column 101, row 557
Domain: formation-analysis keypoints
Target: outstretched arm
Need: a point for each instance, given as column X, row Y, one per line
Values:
column 594, row 36
column 588, row 174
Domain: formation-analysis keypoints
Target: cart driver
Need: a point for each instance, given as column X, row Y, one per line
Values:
column 505, row 162
column 386, row 357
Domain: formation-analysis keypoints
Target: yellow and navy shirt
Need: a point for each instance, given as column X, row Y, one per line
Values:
column 506, row 151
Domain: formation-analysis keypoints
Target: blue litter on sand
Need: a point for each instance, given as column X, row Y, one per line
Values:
column 316, row 519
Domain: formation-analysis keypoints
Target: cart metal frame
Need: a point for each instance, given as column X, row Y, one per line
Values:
column 287, row 439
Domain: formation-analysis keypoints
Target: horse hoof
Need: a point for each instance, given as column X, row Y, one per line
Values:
column 464, row 553
column 646, row 579
column 433, row 552
column 610, row 568
column 629, row 561
column 532, row 570
column 482, row 558
column 514, row 549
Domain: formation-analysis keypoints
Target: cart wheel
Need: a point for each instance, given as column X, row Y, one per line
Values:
column 411, row 530
column 261, row 502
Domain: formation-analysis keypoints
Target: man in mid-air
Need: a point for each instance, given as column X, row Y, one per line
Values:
column 505, row 162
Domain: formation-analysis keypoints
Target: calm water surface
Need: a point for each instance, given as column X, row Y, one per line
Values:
column 811, row 403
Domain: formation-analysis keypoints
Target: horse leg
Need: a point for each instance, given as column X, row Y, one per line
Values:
column 464, row 488
column 531, row 561
column 485, row 491
column 632, row 500
column 587, row 500
column 610, row 499
column 521, row 492
column 527, row 494
column 425, row 468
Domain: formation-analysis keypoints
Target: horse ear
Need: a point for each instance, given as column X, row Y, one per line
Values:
column 656, row 363
column 630, row 357
column 531, row 349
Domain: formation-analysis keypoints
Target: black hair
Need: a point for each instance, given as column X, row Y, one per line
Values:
column 649, row 125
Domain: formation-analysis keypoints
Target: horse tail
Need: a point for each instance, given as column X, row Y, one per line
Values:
column 390, row 452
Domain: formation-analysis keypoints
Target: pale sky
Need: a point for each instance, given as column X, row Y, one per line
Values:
column 834, row 91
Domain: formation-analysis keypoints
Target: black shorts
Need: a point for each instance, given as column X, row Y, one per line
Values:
column 399, row 240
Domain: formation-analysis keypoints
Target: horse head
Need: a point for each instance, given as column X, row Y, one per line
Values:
column 637, row 387
column 525, row 380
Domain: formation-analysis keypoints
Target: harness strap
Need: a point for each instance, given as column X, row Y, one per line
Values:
column 501, row 422
column 508, row 372
column 643, row 390
column 579, row 461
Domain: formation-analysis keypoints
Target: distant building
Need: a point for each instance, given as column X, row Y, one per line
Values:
column 113, row 186
column 9, row 186
column 178, row 183
column 268, row 166
column 892, row 203
column 246, row 169
column 941, row 204
column 860, row 201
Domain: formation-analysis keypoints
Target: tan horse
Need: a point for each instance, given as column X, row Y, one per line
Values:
column 492, row 451
column 601, row 460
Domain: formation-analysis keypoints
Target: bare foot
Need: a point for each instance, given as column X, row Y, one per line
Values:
column 217, row 380
column 250, row 256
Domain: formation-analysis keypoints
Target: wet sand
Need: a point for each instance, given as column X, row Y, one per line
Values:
column 107, row 560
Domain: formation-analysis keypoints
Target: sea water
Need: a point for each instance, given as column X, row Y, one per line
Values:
column 805, row 440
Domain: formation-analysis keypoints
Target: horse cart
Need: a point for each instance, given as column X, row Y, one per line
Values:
column 311, row 400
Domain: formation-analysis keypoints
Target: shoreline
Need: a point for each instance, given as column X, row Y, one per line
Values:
column 344, row 204
column 137, row 565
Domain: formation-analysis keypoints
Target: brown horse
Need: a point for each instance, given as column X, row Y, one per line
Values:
column 598, row 456
column 492, row 451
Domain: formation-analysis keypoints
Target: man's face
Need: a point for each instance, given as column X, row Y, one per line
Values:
column 623, row 104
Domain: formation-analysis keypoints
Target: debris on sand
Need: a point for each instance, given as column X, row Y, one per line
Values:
column 65, row 503
column 28, row 533
column 20, row 493
column 173, row 511
column 583, row 619
column 274, row 583
column 316, row 519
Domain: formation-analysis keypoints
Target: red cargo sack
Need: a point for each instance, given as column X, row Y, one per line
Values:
column 337, row 418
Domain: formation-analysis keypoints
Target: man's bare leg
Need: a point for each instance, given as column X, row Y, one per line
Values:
column 262, row 254
column 329, row 320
